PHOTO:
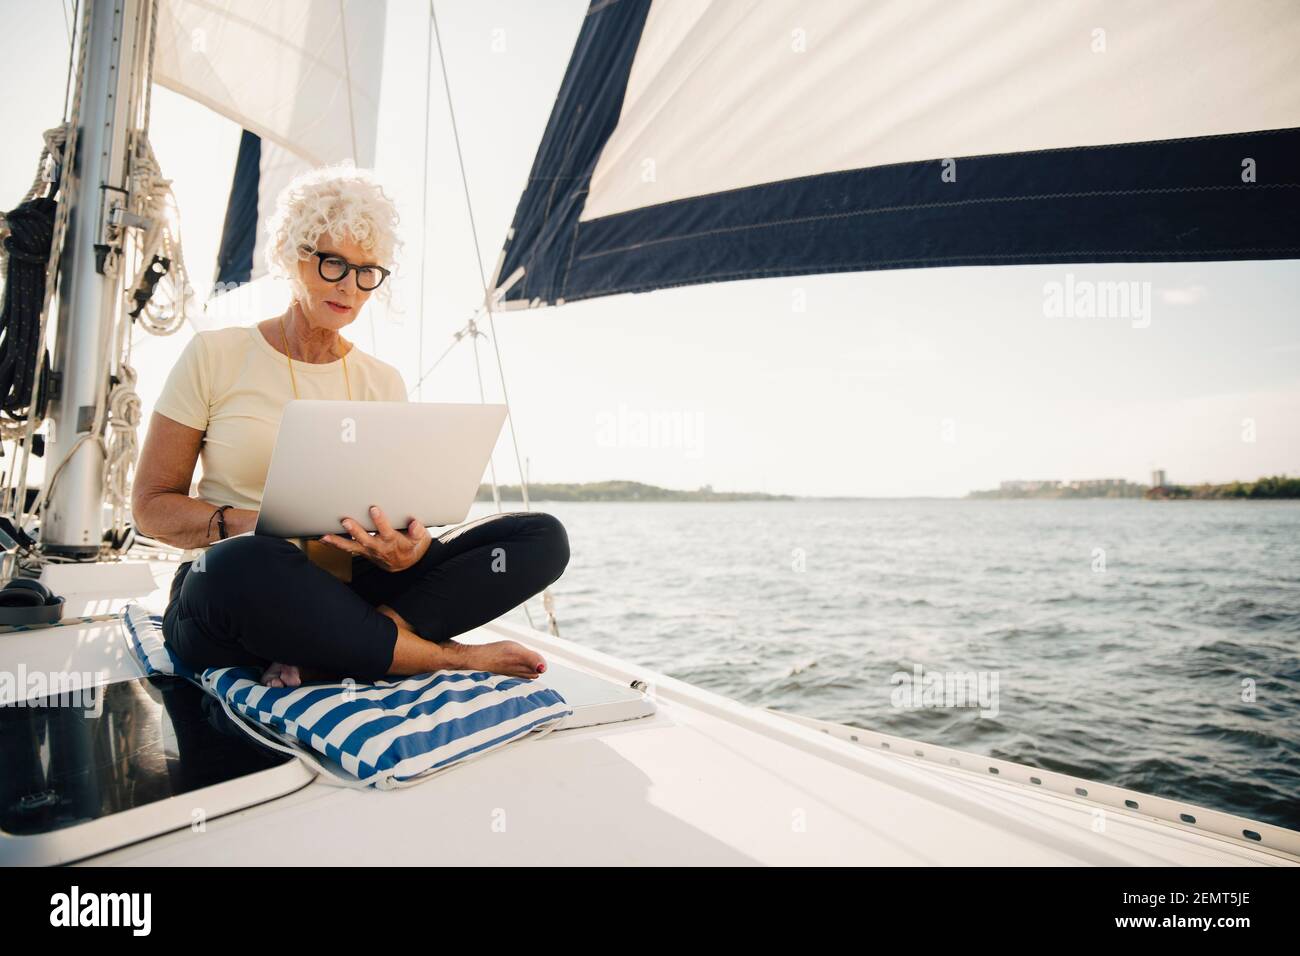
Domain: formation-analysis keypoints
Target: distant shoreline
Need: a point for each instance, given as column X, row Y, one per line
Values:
column 1277, row 487
column 1265, row 489
column 619, row 491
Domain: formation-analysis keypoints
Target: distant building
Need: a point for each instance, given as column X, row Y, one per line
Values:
column 1021, row 487
column 1079, row 488
column 1158, row 478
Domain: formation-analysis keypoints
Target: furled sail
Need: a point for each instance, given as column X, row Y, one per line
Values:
column 713, row 141
column 302, row 77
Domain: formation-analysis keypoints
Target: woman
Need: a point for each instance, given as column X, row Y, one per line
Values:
column 360, row 605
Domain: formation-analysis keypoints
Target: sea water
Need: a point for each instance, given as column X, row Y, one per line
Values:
column 1150, row 645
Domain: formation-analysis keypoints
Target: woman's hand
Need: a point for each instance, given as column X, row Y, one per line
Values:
column 389, row 549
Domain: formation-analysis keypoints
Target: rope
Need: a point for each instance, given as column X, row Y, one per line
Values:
column 157, row 296
column 123, row 422
column 31, row 233
column 160, row 292
column 67, row 179
column 55, row 139
column 152, row 27
column 548, row 600
column 72, row 47
column 31, row 245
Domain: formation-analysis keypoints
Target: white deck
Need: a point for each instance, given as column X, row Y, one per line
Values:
column 705, row 780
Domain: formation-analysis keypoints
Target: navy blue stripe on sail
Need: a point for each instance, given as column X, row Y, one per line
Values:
column 1173, row 200
column 1154, row 201
column 1176, row 200
column 239, row 233
column 584, row 116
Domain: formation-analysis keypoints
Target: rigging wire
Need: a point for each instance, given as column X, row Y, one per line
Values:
column 352, row 129
column 548, row 600
column 455, row 339
column 72, row 47
column 478, row 372
column 424, row 201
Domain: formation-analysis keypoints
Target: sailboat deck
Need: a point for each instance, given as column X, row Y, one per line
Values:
column 703, row 780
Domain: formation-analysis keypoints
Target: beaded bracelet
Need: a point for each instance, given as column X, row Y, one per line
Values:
column 220, row 515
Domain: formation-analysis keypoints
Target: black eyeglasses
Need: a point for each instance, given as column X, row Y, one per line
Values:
column 334, row 268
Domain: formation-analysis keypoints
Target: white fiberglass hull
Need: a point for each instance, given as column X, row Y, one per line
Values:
column 702, row 780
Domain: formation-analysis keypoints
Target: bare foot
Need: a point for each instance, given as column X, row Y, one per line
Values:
column 281, row 675
column 499, row 657
column 291, row 675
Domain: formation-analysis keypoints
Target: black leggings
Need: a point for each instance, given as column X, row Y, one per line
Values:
column 257, row 599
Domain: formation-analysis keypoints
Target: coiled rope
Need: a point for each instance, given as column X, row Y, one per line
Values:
column 156, row 299
column 60, row 150
column 27, row 247
column 157, row 295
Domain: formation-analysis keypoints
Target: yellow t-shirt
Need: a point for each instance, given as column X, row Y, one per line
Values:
column 233, row 385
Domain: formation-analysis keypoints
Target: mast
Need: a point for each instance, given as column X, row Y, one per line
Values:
column 91, row 284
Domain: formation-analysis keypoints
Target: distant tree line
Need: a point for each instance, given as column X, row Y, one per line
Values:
column 619, row 491
column 1277, row 486
column 1125, row 490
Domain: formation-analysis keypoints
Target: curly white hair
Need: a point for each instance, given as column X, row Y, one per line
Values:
column 345, row 201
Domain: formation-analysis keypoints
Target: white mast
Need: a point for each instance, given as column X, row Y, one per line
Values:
column 90, row 288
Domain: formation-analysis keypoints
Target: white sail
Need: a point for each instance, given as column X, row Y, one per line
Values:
column 716, row 141
column 793, row 89
column 302, row 73
column 303, row 76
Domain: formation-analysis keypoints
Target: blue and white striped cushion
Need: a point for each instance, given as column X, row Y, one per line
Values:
column 399, row 729
column 144, row 637
column 383, row 734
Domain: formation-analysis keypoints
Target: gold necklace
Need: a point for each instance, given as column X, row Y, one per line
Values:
column 292, row 381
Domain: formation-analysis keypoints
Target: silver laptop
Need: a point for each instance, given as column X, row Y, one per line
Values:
column 334, row 459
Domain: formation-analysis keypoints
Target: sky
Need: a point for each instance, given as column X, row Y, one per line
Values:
column 884, row 384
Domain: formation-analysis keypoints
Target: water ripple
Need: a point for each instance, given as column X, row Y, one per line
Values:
column 1171, row 668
